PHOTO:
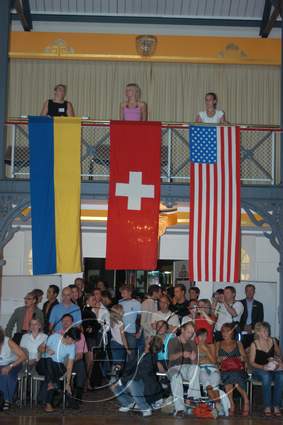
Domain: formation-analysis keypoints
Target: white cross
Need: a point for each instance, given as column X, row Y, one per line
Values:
column 135, row 190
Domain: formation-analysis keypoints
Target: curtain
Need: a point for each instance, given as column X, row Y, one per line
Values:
column 249, row 94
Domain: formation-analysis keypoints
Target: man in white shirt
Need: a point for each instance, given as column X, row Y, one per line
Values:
column 166, row 315
column 149, row 307
column 228, row 311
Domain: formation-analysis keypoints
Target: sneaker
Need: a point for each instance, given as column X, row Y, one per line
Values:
column 158, row 404
column 147, row 412
column 6, row 405
column 125, row 409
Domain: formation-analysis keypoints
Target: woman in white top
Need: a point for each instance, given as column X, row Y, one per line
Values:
column 211, row 115
column 11, row 359
column 118, row 344
column 32, row 340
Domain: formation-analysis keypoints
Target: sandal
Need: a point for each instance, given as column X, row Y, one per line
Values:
column 6, row 405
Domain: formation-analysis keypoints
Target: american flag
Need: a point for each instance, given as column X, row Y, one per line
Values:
column 215, row 210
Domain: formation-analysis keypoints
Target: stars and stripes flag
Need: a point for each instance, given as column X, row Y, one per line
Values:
column 215, row 210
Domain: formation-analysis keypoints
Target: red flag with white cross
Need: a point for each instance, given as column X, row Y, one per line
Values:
column 134, row 195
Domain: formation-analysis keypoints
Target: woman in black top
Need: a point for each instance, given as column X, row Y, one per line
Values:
column 266, row 361
column 58, row 106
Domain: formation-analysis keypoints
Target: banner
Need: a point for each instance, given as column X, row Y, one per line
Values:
column 134, row 195
column 55, row 180
column 215, row 208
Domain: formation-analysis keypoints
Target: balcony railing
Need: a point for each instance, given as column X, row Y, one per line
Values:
column 260, row 149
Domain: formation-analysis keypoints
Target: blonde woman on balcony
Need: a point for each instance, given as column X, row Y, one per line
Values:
column 58, row 106
column 133, row 109
column 211, row 115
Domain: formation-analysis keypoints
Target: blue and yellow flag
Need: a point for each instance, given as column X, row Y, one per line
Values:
column 55, row 179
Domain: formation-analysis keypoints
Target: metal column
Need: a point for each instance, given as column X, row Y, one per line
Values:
column 280, row 268
column 4, row 46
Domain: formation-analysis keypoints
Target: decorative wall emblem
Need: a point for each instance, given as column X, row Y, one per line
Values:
column 232, row 51
column 59, row 48
column 146, row 45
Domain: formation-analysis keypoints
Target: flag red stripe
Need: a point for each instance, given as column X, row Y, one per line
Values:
column 238, row 207
column 207, row 222
column 223, row 224
column 231, row 206
column 200, row 234
column 192, row 209
column 215, row 206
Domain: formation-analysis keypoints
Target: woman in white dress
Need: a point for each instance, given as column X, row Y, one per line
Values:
column 211, row 115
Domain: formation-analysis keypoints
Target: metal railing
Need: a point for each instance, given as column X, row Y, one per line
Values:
column 259, row 152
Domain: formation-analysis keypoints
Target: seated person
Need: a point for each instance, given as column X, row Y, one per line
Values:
column 59, row 353
column 79, row 364
column 11, row 360
column 162, row 330
column 31, row 341
column 58, row 106
column 209, row 375
column 183, row 366
column 138, row 383
column 231, row 357
column 22, row 316
column 266, row 361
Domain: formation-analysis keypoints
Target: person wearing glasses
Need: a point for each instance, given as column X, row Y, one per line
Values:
column 22, row 316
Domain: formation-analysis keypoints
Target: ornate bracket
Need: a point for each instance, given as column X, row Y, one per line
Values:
column 272, row 215
column 11, row 209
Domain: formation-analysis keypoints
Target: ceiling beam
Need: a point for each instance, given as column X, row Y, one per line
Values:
column 155, row 20
column 269, row 18
column 23, row 10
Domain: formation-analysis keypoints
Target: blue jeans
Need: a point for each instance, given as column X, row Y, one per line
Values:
column 8, row 383
column 267, row 378
column 118, row 352
column 133, row 391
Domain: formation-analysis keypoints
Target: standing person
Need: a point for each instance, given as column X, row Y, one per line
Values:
column 52, row 294
column 132, row 311
column 22, row 316
column 80, row 284
column 75, row 295
column 266, row 361
column 252, row 314
column 58, row 106
column 232, row 360
column 194, row 292
column 182, row 352
column 96, row 323
column 133, row 109
column 211, row 115
column 149, row 307
column 228, row 311
column 39, row 295
column 11, row 360
column 180, row 303
column 65, row 307
column 205, row 319
column 118, row 343
column 166, row 315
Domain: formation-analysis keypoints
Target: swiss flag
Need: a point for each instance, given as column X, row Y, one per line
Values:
column 134, row 195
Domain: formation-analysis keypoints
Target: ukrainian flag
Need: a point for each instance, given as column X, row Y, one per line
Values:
column 55, row 179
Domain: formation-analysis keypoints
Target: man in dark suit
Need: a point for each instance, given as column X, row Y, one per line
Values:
column 253, row 313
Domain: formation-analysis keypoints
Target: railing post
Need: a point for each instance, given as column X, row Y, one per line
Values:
column 169, row 155
column 4, row 46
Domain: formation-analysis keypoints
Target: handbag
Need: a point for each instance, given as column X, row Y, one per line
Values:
column 232, row 364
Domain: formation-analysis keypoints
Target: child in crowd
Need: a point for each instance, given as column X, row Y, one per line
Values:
column 133, row 109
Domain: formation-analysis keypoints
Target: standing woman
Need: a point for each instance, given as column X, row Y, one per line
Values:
column 133, row 109
column 11, row 359
column 58, row 106
column 211, row 115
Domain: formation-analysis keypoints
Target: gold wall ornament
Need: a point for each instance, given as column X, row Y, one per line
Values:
column 59, row 48
column 146, row 45
column 232, row 51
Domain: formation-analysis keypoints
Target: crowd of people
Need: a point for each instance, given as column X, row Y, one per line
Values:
column 132, row 108
column 167, row 343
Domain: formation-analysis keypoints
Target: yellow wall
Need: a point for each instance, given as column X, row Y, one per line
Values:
column 88, row 46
